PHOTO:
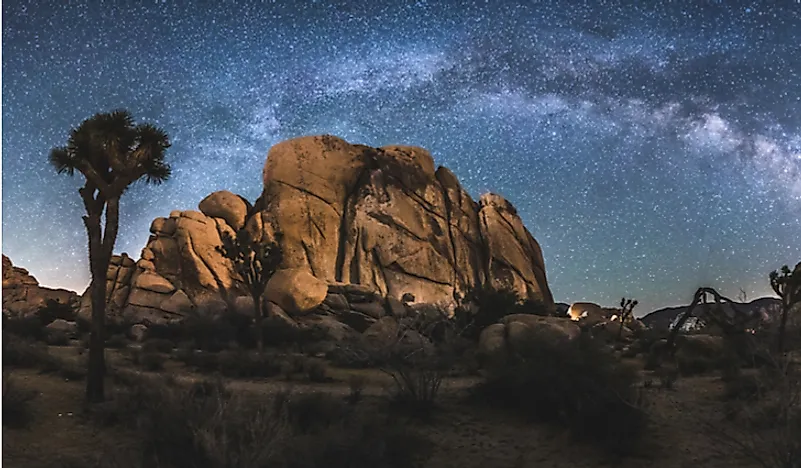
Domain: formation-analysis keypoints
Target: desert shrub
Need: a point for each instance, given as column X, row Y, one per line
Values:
column 30, row 327
column 279, row 334
column 316, row 371
column 149, row 360
column 667, row 377
column 485, row 306
column 157, row 345
column 417, row 373
column 352, row 354
column 171, row 331
column 416, row 383
column 201, row 361
column 19, row 352
column 23, row 353
column 53, row 310
column 578, row 384
column 766, row 428
column 210, row 388
column 17, row 411
column 243, row 364
column 293, row 365
column 204, row 425
column 117, row 342
column 57, row 338
column 356, row 385
column 311, row 411
column 689, row 364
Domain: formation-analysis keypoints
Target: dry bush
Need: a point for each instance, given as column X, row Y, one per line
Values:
column 234, row 363
column 356, row 384
column 149, row 360
column 157, row 345
column 57, row 338
column 204, row 425
column 31, row 327
column 417, row 365
column 578, row 384
column 17, row 411
column 117, row 341
column 22, row 353
column 763, row 418
column 316, row 371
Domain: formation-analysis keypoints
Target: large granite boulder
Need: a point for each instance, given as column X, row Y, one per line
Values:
column 517, row 331
column 388, row 219
column 296, row 291
column 384, row 219
column 23, row 296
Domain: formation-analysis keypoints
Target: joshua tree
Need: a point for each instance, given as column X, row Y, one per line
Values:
column 626, row 309
column 787, row 286
column 111, row 152
column 255, row 262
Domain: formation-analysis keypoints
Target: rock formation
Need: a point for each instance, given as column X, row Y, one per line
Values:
column 22, row 295
column 382, row 218
column 498, row 341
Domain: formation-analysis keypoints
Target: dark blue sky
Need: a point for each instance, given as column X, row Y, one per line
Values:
column 650, row 150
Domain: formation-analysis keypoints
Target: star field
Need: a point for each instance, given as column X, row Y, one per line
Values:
column 650, row 150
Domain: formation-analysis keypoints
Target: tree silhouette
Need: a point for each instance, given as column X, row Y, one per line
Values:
column 111, row 152
column 255, row 262
column 626, row 309
column 787, row 285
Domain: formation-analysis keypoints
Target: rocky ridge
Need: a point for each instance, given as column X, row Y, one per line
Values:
column 22, row 294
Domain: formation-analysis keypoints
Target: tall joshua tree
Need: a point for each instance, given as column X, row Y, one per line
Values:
column 255, row 262
column 111, row 152
column 787, row 285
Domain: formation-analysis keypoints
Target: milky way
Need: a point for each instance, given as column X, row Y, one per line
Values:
column 650, row 150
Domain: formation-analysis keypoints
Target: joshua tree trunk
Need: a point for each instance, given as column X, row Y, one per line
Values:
column 98, row 264
column 259, row 316
column 783, row 326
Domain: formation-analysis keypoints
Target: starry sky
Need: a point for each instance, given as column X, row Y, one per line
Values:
column 650, row 149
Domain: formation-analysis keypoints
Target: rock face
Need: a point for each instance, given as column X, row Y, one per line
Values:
column 387, row 219
column 382, row 218
column 22, row 295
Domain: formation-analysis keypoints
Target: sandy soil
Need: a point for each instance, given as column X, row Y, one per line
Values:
column 465, row 436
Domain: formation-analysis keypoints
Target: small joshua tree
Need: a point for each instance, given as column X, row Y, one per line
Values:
column 626, row 309
column 787, row 285
column 255, row 262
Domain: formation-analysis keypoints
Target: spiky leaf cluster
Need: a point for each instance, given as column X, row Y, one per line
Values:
column 787, row 284
column 254, row 261
column 112, row 152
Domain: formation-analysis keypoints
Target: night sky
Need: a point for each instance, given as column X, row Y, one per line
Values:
column 650, row 150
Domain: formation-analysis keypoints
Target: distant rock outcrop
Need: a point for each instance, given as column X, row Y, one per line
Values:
column 767, row 309
column 382, row 218
column 22, row 295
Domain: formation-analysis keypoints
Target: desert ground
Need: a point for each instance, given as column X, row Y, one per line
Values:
column 462, row 433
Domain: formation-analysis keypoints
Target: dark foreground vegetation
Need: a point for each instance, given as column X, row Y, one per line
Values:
column 201, row 393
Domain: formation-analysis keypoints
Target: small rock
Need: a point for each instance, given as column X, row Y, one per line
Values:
column 336, row 301
column 373, row 309
column 63, row 326
column 138, row 332
column 396, row 307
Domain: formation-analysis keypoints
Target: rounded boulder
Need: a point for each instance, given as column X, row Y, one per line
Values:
column 296, row 291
